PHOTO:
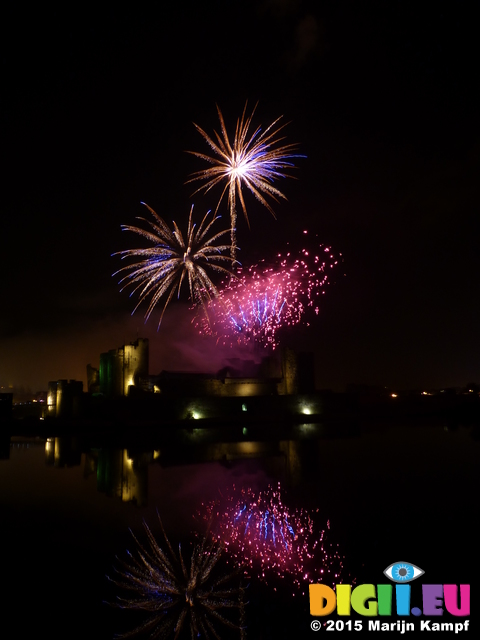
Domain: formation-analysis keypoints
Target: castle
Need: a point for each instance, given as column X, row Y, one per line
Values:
column 239, row 387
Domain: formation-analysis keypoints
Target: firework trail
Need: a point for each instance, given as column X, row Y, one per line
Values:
column 171, row 259
column 263, row 299
column 254, row 161
column 269, row 540
column 181, row 600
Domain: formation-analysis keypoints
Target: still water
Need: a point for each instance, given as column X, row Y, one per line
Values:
column 67, row 505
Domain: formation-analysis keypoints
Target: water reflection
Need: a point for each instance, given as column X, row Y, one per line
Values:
column 388, row 493
column 273, row 542
column 119, row 473
column 200, row 595
column 123, row 472
column 63, row 452
column 4, row 447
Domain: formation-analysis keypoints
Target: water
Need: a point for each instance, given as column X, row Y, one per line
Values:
column 66, row 507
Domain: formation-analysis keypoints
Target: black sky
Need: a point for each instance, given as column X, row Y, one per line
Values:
column 97, row 110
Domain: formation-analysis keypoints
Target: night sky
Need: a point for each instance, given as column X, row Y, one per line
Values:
column 381, row 97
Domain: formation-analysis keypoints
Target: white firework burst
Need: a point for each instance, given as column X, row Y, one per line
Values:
column 173, row 258
column 254, row 161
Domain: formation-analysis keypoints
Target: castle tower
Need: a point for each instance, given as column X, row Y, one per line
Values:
column 135, row 363
column 298, row 372
column 123, row 367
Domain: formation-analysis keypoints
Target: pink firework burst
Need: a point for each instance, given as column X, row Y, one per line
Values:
column 264, row 299
column 272, row 541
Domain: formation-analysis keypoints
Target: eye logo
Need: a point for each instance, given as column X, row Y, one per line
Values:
column 403, row 572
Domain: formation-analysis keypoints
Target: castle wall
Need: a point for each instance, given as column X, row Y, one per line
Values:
column 123, row 367
column 64, row 398
column 135, row 365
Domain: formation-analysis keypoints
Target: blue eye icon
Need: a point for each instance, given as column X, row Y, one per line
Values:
column 403, row 572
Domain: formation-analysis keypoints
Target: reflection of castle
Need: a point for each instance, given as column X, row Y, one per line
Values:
column 119, row 473
column 62, row 452
column 122, row 475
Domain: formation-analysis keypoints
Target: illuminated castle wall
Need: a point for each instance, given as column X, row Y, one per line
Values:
column 292, row 374
column 64, row 398
column 123, row 368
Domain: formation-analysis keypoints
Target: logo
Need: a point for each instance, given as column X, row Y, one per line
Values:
column 371, row 600
column 403, row 572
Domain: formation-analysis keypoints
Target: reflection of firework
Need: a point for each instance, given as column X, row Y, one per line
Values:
column 261, row 301
column 180, row 599
column 260, row 533
column 254, row 162
column 173, row 259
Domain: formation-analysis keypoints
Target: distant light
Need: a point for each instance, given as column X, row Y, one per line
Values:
column 244, row 431
column 393, row 395
column 244, row 407
column 307, row 428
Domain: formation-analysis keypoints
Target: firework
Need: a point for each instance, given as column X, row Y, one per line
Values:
column 254, row 161
column 268, row 539
column 264, row 299
column 181, row 600
column 171, row 259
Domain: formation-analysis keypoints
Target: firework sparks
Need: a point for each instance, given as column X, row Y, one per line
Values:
column 254, row 161
column 268, row 539
column 264, row 299
column 181, row 600
column 172, row 259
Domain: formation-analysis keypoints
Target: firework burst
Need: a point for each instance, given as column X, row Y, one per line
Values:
column 181, row 600
column 254, row 161
column 275, row 543
column 264, row 299
column 172, row 259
